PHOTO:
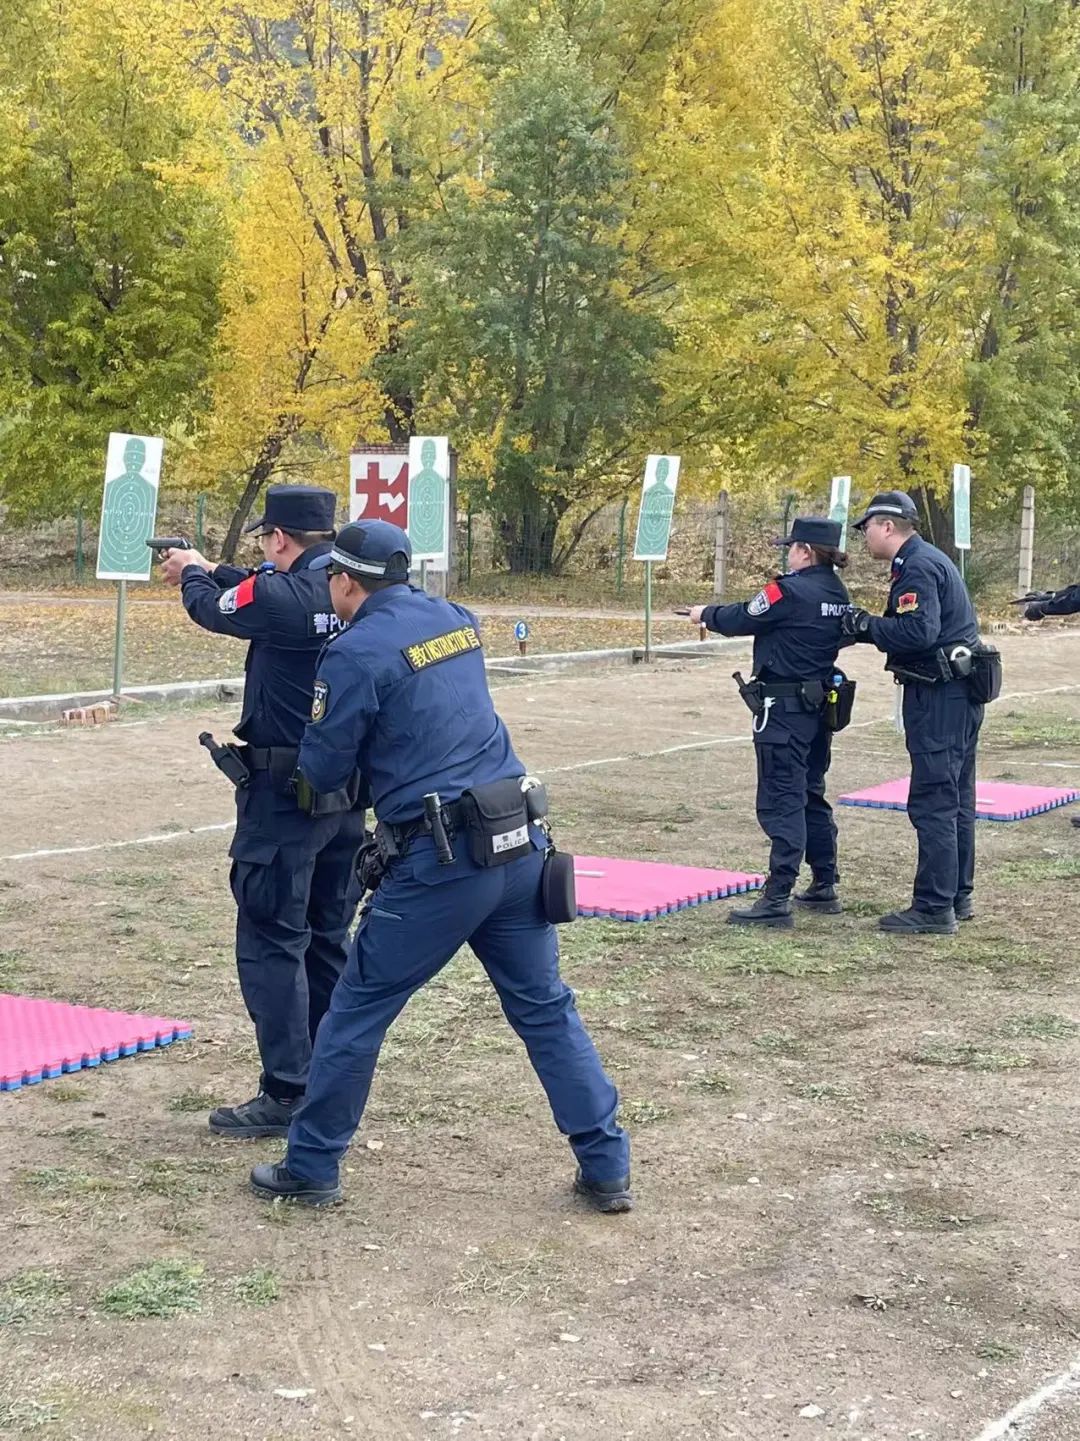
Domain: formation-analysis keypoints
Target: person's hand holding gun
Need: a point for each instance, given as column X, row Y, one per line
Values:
column 174, row 552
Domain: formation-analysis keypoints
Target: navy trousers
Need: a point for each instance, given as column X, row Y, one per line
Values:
column 794, row 751
column 941, row 728
column 294, row 882
column 419, row 917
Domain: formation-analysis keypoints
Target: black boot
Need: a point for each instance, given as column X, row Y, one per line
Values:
column 916, row 922
column 275, row 1182
column 772, row 908
column 820, row 896
column 611, row 1197
column 964, row 908
column 263, row 1116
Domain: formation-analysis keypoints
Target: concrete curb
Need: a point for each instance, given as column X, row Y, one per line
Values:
column 48, row 707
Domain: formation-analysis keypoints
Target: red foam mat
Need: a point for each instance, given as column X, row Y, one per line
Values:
column 994, row 800
column 643, row 890
column 42, row 1039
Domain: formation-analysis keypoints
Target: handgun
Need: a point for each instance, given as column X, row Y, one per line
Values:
column 158, row 543
column 1034, row 597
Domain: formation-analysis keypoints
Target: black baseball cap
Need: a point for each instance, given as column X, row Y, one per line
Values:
column 893, row 505
column 813, row 530
column 296, row 507
column 368, row 549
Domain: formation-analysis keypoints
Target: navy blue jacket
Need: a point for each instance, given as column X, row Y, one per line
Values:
column 402, row 696
column 795, row 622
column 288, row 618
column 1064, row 602
column 929, row 607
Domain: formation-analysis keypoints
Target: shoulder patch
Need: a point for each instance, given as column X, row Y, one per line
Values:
column 242, row 594
column 907, row 602
column 765, row 599
column 318, row 700
column 442, row 647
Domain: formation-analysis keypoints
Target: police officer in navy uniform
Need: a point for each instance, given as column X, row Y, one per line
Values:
column 795, row 622
column 928, row 618
column 1058, row 602
column 403, row 690
column 293, row 876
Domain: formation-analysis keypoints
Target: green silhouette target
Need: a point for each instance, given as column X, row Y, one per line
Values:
column 657, row 504
column 129, row 506
column 429, row 499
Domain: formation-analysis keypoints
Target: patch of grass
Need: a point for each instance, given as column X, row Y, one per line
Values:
column 12, row 965
column 919, row 1210
column 964, row 1053
column 996, row 1351
column 778, row 1043
column 258, row 1287
column 1038, row 1027
column 901, row 1141
column 178, row 1179
column 62, row 1092
column 715, row 1083
column 1030, row 870
column 162, row 1289
column 824, row 1091
column 29, row 1295
column 194, row 1100
column 642, row 1112
column 508, row 1278
column 22, row 1415
column 1026, row 730
column 62, row 1180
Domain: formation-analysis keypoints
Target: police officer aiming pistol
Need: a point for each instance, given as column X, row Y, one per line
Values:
column 930, row 635
column 403, row 696
column 798, row 699
column 293, row 875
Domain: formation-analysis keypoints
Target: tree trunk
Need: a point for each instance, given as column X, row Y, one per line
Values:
column 528, row 537
column 260, row 473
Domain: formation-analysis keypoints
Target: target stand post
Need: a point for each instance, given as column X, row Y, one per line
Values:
column 118, row 646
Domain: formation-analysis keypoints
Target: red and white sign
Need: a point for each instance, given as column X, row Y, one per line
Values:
column 379, row 487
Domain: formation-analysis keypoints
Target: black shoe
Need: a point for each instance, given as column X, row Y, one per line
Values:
column 264, row 1116
column 964, row 908
column 820, row 896
column 915, row 922
column 771, row 909
column 1074, row 821
column 611, row 1197
column 275, row 1182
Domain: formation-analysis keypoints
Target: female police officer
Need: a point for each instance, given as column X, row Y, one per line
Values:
column 795, row 622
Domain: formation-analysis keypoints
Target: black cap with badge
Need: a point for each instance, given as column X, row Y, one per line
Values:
column 813, row 530
column 299, row 508
column 369, row 550
column 890, row 505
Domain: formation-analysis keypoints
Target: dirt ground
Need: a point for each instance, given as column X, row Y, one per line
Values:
column 855, row 1157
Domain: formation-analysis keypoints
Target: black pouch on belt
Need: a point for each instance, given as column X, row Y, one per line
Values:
column 557, row 889
column 839, row 704
column 496, row 822
column 812, row 695
column 752, row 692
column 984, row 680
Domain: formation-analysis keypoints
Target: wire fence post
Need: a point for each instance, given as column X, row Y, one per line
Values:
column 200, row 529
column 620, row 556
column 80, row 552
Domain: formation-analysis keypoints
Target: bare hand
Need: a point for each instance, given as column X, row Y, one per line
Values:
column 174, row 561
column 696, row 612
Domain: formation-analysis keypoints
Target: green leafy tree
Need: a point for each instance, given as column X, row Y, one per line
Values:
column 530, row 336
column 110, row 251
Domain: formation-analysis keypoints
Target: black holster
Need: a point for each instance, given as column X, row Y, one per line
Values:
column 839, row 704
column 557, row 889
column 984, row 681
column 752, row 692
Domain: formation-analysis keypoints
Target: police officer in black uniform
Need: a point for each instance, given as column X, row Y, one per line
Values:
column 1058, row 602
column 928, row 631
column 404, row 690
column 293, row 876
column 795, row 622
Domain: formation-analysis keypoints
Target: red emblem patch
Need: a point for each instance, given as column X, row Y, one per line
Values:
column 773, row 592
column 245, row 592
column 909, row 601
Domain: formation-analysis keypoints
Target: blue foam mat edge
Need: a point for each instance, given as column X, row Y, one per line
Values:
column 592, row 914
column 89, row 1062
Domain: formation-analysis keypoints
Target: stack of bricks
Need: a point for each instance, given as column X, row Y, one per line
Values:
column 88, row 715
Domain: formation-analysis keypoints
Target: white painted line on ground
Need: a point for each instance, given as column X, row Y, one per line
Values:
column 1068, row 1381
column 119, row 845
column 742, row 739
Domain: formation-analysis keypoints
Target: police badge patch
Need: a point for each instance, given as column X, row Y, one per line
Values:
column 227, row 601
column 318, row 700
column 765, row 599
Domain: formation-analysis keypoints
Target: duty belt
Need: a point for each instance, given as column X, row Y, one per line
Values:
column 402, row 832
column 781, row 688
column 270, row 758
